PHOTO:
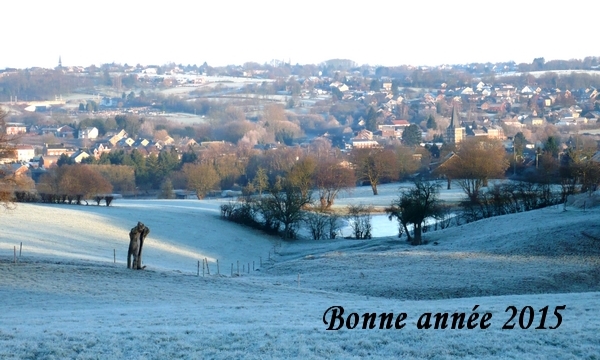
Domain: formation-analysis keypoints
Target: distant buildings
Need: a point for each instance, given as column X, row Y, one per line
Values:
column 455, row 134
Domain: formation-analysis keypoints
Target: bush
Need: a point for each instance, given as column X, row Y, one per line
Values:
column 359, row 217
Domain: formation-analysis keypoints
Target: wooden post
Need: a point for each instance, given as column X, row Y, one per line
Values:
column 298, row 279
column 218, row 271
column 231, row 269
column 253, row 265
column 261, row 261
column 269, row 255
column 248, row 268
column 198, row 273
column 202, row 267
column 20, row 248
column 207, row 268
column 238, row 263
column 15, row 258
column 243, row 268
column 114, row 256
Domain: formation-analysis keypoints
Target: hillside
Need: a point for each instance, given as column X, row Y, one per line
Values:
column 66, row 299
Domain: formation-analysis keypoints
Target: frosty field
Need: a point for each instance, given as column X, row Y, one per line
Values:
column 65, row 298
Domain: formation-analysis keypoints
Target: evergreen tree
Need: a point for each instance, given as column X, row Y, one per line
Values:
column 412, row 135
column 431, row 124
column 166, row 190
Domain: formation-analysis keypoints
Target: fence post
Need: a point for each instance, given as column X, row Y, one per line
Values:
column 207, row 268
column 114, row 256
column 253, row 265
column 231, row 269
column 238, row 266
column 298, row 279
column 15, row 258
column 198, row 272
column 20, row 248
column 202, row 267
column 218, row 270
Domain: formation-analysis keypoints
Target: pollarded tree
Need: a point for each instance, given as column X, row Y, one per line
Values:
column 414, row 206
column 375, row 165
column 477, row 160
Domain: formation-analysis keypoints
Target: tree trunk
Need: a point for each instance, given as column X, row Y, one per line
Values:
column 409, row 238
column 417, row 238
column 449, row 182
column 374, row 187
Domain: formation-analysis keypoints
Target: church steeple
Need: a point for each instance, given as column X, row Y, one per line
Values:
column 454, row 118
column 59, row 62
column 454, row 133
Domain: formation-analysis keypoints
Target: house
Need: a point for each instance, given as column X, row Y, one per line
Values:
column 493, row 107
column 141, row 143
column 88, row 133
column 186, row 143
column 390, row 131
column 494, row 132
column 364, row 143
column 400, row 123
column 48, row 130
column 100, row 149
column 65, row 131
column 24, row 152
column 117, row 137
column 533, row 121
column 46, row 161
column 79, row 155
column 15, row 128
column 13, row 170
column 364, row 134
column 125, row 142
column 58, row 149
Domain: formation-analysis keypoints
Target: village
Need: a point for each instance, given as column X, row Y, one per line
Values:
column 273, row 106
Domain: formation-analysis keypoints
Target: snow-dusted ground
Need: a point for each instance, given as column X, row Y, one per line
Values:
column 65, row 298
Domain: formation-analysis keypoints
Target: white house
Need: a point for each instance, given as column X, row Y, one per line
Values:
column 25, row 152
column 88, row 133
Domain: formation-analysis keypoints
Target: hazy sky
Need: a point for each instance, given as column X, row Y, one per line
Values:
column 221, row 32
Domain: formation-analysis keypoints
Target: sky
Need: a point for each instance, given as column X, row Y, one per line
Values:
column 36, row 33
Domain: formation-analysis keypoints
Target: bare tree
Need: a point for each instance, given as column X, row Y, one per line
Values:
column 330, row 177
column 476, row 162
column 201, row 178
column 375, row 165
column 301, row 174
column 284, row 205
column 359, row 217
column 74, row 183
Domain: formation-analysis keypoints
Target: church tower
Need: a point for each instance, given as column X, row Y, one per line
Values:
column 59, row 62
column 455, row 133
